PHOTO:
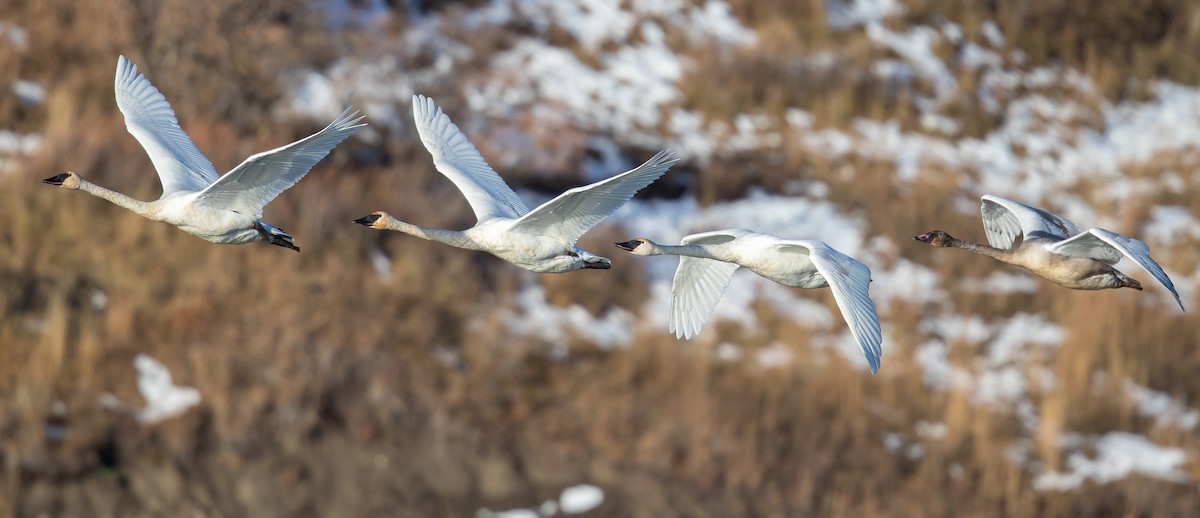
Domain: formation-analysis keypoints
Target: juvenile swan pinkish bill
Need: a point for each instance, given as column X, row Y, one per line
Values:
column 1053, row 248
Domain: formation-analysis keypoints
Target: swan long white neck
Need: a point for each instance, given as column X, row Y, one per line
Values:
column 688, row 250
column 450, row 237
column 137, row 206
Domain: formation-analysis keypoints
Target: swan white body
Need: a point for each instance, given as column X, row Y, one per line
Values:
column 707, row 262
column 1055, row 249
column 540, row 240
column 219, row 209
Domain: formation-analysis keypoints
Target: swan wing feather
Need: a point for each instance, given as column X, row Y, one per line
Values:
column 457, row 159
column 1110, row 247
column 1004, row 220
column 699, row 284
column 250, row 186
column 150, row 119
column 850, row 281
column 574, row 212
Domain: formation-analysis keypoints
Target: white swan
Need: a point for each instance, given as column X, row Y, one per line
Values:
column 707, row 262
column 164, row 399
column 223, row 209
column 1054, row 248
column 541, row 240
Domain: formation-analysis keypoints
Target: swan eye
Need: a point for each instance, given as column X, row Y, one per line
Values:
column 572, row 254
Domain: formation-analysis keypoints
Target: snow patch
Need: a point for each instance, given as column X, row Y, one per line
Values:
column 580, row 499
column 849, row 13
column 1118, row 455
column 535, row 316
column 29, row 92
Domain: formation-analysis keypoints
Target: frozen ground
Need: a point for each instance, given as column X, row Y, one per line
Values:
column 621, row 85
column 16, row 145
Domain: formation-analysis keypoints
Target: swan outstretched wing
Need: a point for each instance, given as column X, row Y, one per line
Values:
column 699, row 284
column 150, row 119
column 1108, row 246
column 1004, row 220
column 576, row 211
column 457, row 159
column 259, row 179
column 850, row 281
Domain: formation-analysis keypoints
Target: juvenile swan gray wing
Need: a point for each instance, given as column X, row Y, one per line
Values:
column 698, row 284
column 261, row 178
column 457, row 159
column 1108, row 246
column 1004, row 220
column 150, row 119
column 576, row 211
column 850, row 281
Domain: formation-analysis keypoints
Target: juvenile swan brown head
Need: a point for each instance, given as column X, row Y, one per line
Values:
column 639, row 246
column 935, row 238
column 67, row 180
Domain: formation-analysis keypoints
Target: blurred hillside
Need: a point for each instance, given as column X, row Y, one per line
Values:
column 378, row 374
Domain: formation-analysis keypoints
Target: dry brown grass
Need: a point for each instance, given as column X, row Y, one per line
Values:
column 328, row 392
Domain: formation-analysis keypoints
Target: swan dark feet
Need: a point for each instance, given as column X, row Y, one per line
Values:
column 596, row 263
column 275, row 236
column 1127, row 282
column 284, row 242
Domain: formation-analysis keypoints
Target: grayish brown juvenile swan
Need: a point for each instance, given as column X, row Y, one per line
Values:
column 707, row 262
column 219, row 209
column 1054, row 248
column 540, row 240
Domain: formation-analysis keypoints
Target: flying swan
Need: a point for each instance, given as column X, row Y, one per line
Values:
column 219, row 209
column 707, row 262
column 1054, row 248
column 541, row 240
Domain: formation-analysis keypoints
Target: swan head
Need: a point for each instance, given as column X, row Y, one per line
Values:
column 638, row 246
column 935, row 238
column 67, row 180
column 374, row 220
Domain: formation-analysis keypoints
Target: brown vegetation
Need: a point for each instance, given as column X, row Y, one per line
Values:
column 329, row 392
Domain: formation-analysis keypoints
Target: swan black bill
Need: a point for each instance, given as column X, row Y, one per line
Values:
column 367, row 220
column 57, row 180
column 628, row 245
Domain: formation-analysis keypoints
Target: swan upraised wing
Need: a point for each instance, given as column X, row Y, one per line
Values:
column 1109, row 247
column 576, row 211
column 150, row 119
column 699, row 284
column 850, row 281
column 1004, row 220
column 457, row 159
column 259, row 179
